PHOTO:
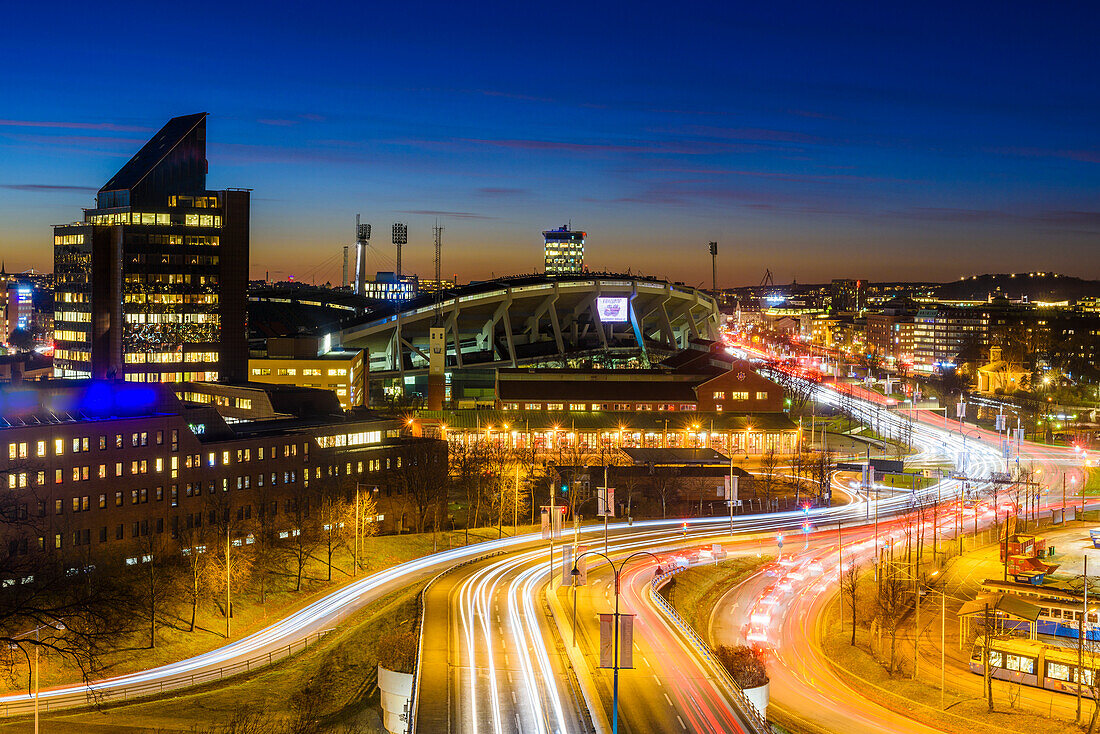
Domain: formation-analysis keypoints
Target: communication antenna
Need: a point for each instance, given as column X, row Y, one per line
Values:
column 400, row 237
column 438, row 231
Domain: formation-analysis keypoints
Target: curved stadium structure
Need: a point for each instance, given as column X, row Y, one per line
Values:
column 534, row 318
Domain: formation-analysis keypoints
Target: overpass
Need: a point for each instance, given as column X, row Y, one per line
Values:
column 533, row 318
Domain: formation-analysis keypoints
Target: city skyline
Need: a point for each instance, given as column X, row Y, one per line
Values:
column 818, row 146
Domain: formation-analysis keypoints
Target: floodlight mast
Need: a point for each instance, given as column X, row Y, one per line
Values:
column 400, row 237
column 362, row 237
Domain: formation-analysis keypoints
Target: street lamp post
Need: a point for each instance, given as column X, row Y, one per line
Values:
column 615, row 654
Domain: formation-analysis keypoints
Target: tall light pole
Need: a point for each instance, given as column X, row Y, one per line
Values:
column 615, row 654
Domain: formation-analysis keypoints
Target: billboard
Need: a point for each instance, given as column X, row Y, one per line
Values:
column 613, row 309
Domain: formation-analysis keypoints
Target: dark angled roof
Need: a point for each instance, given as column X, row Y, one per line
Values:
column 637, row 389
column 658, row 456
column 655, row 421
column 175, row 132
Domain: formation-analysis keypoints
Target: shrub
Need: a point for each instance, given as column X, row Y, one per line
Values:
column 744, row 664
column 397, row 649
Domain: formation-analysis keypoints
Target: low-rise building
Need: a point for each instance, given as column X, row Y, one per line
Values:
column 311, row 362
column 98, row 466
column 740, row 390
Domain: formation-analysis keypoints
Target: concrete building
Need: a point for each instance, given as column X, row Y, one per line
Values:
column 311, row 362
column 563, row 251
column 16, row 305
column 96, row 466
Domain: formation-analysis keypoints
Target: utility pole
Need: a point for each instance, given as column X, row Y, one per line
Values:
column 1081, row 639
column 228, row 601
column 355, row 548
column 714, row 268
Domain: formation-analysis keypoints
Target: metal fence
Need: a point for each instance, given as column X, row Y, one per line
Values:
column 745, row 707
column 151, row 688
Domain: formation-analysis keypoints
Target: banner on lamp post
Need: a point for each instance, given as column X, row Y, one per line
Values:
column 605, row 500
column 626, row 640
column 567, row 565
column 582, row 565
column 607, row 640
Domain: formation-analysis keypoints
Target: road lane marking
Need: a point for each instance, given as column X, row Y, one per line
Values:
column 669, row 701
column 682, row 724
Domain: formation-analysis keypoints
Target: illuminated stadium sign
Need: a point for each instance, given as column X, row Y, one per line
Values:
column 613, row 309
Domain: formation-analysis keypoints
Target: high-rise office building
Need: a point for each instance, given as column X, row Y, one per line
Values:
column 848, row 296
column 16, row 305
column 564, row 251
column 152, row 284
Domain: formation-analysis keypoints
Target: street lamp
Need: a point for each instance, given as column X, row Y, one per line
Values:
column 615, row 655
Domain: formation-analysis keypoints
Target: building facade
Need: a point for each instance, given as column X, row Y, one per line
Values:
column 563, row 251
column 306, row 362
column 740, row 390
column 95, row 466
column 152, row 283
column 16, row 305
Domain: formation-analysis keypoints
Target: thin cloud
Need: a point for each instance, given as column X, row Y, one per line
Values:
column 442, row 213
column 49, row 187
column 277, row 122
column 500, row 191
column 107, row 126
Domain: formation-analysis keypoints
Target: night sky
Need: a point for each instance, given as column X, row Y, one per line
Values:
column 817, row 140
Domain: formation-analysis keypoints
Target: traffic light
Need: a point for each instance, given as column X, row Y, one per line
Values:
column 565, row 489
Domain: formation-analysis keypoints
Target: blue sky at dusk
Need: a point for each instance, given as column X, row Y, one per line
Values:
column 820, row 141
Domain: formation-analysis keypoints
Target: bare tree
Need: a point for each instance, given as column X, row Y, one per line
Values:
column 422, row 476
column 769, row 470
column 155, row 573
column 303, row 537
column 666, row 483
column 890, row 603
column 849, row 587
column 59, row 604
column 192, row 581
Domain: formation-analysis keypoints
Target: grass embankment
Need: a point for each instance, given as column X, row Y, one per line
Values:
column 330, row 687
column 907, row 481
column 175, row 640
column 865, row 667
column 920, row 699
column 1092, row 481
column 695, row 592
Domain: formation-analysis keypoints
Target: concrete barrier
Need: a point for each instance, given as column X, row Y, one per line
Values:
column 396, row 690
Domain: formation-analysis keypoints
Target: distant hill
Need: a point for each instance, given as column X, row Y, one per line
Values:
column 1036, row 286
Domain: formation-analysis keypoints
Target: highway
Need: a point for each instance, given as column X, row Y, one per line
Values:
column 508, row 666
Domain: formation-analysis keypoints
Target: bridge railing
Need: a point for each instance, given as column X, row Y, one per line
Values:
column 745, row 707
column 129, row 692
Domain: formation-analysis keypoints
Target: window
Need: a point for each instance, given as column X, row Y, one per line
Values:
column 761, row 396
column 58, row 507
column 739, row 396
column 118, row 499
column 555, row 406
column 719, row 395
column 102, row 501
column 58, row 447
column 40, row 449
column 577, row 406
